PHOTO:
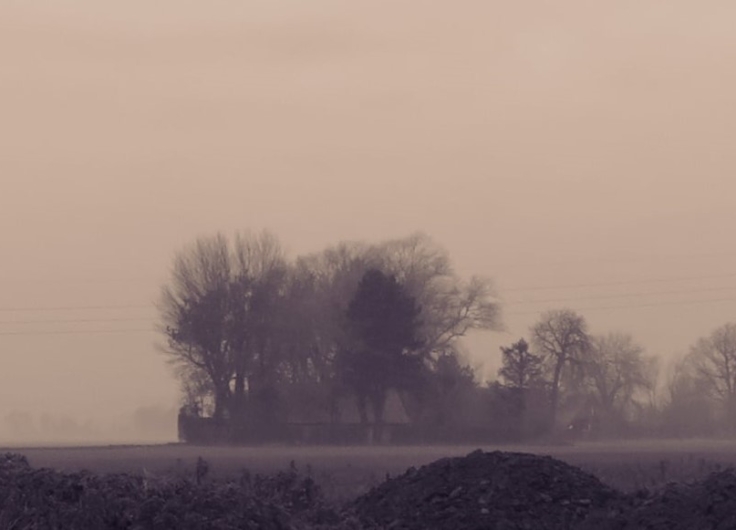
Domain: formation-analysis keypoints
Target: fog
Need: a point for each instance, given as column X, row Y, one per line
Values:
column 579, row 154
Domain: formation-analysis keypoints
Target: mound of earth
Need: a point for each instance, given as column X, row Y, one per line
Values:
column 709, row 504
column 498, row 490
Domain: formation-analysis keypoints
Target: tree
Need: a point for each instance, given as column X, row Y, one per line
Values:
column 520, row 367
column 619, row 371
column 687, row 404
column 523, row 389
column 714, row 359
column 451, row 307
column 382, row 321
column 449, row 390
column 194, row 313
column 561, row 336
column 258, row 292
column 218, row 314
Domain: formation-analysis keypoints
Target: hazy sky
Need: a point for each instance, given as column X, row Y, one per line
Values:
column 579, row 144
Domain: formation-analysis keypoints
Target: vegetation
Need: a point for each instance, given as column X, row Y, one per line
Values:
column 365, row 341
column 218, row 491
column 259, row 342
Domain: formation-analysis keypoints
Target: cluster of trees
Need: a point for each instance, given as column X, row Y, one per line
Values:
column 254, row 337
column 699, row 389
column 257, row 339
column 605, row 379
column 613, row 386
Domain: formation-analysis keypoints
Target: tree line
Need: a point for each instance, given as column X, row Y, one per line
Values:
column 256, row 339
column 253, row 336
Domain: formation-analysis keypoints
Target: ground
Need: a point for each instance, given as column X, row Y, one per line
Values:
column 346, row 472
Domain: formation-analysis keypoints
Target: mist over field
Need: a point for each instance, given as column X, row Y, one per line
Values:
column 575, row 156
column 147, row 425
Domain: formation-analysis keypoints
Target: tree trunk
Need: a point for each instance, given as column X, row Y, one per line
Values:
column 222, row 394
column 238, row 399
column 555, row 395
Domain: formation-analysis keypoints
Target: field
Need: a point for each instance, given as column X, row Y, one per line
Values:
column 346, row 472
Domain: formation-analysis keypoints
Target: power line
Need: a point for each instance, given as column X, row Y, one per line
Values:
column 518, row 313
column 75, row 308
column 613, row 284
column 623, row 295
column 74, row 320
column 78, row 332
column 76, row 281
column 634, row 306
column 560, row 260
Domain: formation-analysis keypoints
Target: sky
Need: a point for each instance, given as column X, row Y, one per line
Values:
column 578, row 153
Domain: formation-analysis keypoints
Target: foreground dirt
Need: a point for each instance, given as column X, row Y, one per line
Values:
column 482, row 490
column 488, row 490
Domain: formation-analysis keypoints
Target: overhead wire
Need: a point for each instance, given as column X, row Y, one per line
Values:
column 621, row 295
column 77, row 331
column 634, row 306
column 618, row 283
column 75, row 308
column 73, row 320
column 593, row 297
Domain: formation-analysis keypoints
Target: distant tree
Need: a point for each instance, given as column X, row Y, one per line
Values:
column 451, row 307
column 523, row 385
column 561, row 336
column 520, row 367
column 218, row 313
column 714, row 360
column 450, row 388
column 242, row 324
column 194, row 311
column 382, row 322
column 197, row 391
column 619, row 372
column 258, row 323
column 687, row 408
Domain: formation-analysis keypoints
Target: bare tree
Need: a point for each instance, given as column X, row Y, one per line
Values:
column 258, row 290
column 714, row 359
column 561, row 336
column 194, row 312
column 619, row 372
column 450, row 306
column 687, row 406
column 218, row 310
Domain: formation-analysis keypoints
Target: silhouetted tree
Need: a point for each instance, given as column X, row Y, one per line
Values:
column 451, row 307
column 714, row 359
column 450, row 389
column 561, row 336
column 382, row 321
column 688, row 408
column 619, row 372
column 218, row 312
column 194, row 311
column 520, row 367
column 523, row 385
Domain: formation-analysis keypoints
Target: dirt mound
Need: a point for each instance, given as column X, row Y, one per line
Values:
column 498, row 490
column 709, row 504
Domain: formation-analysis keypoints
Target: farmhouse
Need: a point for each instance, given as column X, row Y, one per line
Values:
column 302, row 424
